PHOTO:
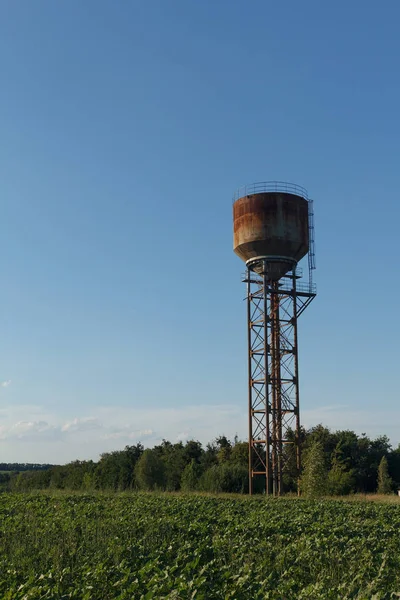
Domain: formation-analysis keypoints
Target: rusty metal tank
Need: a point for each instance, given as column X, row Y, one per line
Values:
column 271, row 227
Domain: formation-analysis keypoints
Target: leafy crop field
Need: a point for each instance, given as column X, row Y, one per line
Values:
column 164, row 546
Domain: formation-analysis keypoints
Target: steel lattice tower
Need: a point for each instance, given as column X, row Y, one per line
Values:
column 275, row 300
column 274, row 421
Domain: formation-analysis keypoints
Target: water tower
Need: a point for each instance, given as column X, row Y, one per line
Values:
column 273, row 230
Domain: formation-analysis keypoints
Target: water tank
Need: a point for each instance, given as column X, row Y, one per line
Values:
column 271, row 227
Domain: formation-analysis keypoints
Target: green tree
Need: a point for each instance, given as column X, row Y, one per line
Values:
column 340, row 477
column 225, row 478
column 115, row 470
column 150, row 471
column 235, row 478
column 72, row 474
column 314, row 478
column 323, row 436
column 107, row 471
column 193, row 450
column 240, row 454
column 126, row 465
column 209, row 456
column 191, row 476
column 224, row 449
column 394, row 466
column 173, row 458
column 384, row 480
column 58, row 476
column 88, row 482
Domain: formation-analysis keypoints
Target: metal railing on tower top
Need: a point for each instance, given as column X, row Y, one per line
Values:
column 270, row 186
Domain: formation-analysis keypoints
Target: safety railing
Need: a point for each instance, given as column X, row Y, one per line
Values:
column 270, row 186
column 306, row 286
column 299, row 273
column 285, row 283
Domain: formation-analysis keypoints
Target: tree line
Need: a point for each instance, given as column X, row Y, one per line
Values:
column 340, row 462
column 17, row 467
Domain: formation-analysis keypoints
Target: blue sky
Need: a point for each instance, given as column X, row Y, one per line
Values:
column 125, row 129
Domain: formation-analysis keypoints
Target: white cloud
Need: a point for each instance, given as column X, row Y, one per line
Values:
column 202, row 422
column 84, row 424
column 5, row 383
column 34, row 434
column 128, row 434
column 23, row 430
